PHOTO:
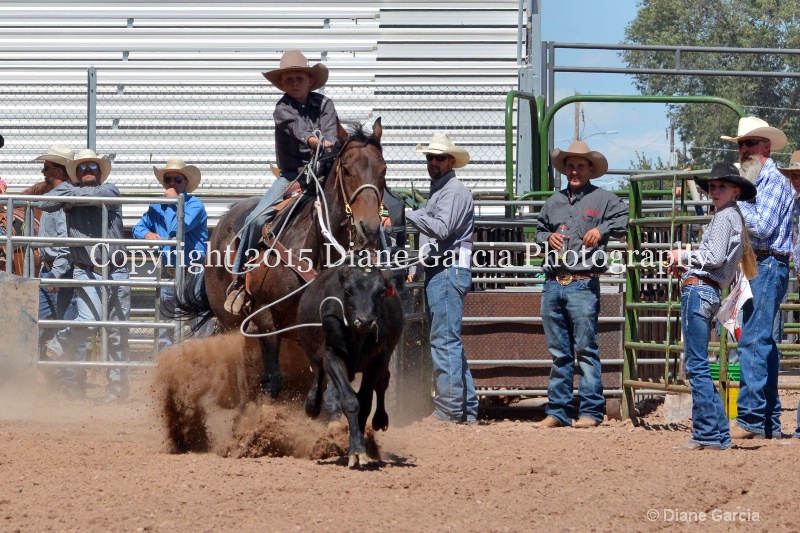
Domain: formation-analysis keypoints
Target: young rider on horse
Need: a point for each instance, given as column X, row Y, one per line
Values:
column 298, row 115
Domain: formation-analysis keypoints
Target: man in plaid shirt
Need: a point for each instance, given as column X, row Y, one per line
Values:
column 769, row 222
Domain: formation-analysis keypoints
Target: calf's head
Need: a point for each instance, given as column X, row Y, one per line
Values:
column 365, row 290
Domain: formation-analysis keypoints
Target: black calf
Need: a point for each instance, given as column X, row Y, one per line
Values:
column 362, row 319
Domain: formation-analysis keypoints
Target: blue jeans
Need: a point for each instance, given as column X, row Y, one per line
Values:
column 569, row 317
column 166, row 299
column 699, row 305
column 258, row 217
column 57, row 306
column 797, row 430
column 89, row 307
column 446, row 290
column 759, row 404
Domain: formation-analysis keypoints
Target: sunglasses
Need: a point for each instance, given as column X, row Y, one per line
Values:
column 89, row 166
column 45, row 168
column 751, row 142
column 177, row 180
column 438, row 158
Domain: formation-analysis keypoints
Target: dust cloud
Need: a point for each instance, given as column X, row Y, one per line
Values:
column 208, row 395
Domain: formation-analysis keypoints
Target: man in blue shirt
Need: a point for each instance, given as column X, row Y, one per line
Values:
column 161, row 222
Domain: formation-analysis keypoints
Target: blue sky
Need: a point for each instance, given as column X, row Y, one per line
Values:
column 640, row 127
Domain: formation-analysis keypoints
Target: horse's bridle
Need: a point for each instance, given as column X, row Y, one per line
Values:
column 349, row 200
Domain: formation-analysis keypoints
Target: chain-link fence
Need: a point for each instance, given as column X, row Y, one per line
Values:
column 227, row 130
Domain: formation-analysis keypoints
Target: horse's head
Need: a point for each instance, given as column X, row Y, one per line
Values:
column 360, row 174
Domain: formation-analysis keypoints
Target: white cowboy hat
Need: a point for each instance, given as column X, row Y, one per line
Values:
column 176, row 164
column 580, row 149
column 58, row 154
column 87, row 154
column 755, row 127
column 441, row 143
column 295, row 60
column 793, row 168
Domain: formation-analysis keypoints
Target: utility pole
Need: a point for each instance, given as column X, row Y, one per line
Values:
column 577, row 134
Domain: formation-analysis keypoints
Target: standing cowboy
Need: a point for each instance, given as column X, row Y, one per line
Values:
column 769, row 223
column 90, row 171
column 160, row 221
column 578, row 219
column 446, row 224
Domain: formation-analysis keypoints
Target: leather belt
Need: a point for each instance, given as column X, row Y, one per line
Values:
column 768, row 253
column 692, row 280
column 565, row 278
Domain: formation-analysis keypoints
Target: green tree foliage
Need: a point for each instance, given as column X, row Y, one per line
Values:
column 721, row 23
column 643, row 162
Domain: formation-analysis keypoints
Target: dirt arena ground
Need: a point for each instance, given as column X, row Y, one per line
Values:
column 88, row 466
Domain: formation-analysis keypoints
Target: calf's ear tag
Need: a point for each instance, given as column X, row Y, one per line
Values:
column 390, row 290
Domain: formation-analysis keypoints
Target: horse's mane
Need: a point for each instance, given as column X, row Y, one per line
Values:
column 359, row 135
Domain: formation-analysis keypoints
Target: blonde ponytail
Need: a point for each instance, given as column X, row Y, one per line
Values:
column 748, row 262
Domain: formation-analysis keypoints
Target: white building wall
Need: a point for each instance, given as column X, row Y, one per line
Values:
column 183, row 79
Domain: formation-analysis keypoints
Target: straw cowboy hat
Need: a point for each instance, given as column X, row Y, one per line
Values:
column 793, row 169
column 755, row 127
column 87, row 154
column 580, row 149
column 728, row 172
column 177, row 165
column 58, row 154
column 441, row 143
column 295, row 60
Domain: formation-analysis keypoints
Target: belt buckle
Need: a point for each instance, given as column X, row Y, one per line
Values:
column 564, row 278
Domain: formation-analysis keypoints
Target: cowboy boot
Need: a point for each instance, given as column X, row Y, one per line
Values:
column 237, row 297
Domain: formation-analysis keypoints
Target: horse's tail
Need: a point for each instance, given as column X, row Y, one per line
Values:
column 191, row 301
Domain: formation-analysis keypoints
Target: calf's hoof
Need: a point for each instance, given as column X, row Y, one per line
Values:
column 380, row 422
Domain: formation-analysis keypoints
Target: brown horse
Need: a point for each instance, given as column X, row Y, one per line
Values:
column 353, row 193
column 18, row 228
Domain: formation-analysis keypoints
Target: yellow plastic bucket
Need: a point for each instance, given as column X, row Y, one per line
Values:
column 730, row 402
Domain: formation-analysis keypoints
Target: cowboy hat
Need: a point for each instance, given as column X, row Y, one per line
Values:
column 793, row 168
column 58, row 154
column 295, row 60
column 755, row 127
column 729, row 173
column 580, row 149
column 176, row 165
column 441, row 143
column 87, row 154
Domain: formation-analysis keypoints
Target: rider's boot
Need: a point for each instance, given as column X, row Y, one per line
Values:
column 237, row 297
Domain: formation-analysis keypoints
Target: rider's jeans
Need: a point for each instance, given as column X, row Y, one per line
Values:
column 259, row 216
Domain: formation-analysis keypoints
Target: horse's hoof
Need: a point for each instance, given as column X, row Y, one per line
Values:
column 358, row 459
column 313, row 408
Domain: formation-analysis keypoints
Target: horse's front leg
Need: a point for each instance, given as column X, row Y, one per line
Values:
column 271, row 379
